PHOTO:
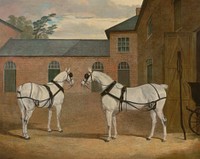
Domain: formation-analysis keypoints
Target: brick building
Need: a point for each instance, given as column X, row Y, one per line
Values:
column 8, row 31
column 165, row 28
column 40, row 60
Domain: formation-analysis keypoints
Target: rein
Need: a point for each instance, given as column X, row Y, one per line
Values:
column 151, row 105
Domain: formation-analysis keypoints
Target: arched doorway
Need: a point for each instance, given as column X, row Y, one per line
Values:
column 9, row 77
column 97, row 66
column 124, row 73
column 53, row 70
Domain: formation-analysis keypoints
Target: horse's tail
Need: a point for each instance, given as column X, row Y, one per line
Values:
column 165, row 86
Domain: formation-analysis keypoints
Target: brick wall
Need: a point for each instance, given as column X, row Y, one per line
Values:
column 35, row 69
column 6, row 33
column 152, row 47
column 129, row 57
column 162, row 13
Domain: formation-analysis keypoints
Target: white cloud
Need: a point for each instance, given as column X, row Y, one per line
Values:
column 71, row 27
column 75, row 19
column 127, row 2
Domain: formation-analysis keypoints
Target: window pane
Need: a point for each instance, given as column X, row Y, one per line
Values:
column 123, row 44
column 54, row 70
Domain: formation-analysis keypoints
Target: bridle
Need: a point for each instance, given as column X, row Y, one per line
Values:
column 87, row 76
column 70, row 75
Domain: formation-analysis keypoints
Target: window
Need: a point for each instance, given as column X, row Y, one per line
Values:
column 149, row 70
column 97, row 66
column 53, row 70
column 123, row 44
column 149, row 27
column 124, row 73
column 177, row 14
column 9, row 77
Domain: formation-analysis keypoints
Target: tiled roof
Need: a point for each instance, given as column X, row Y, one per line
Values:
column 55, row 47
column 127, row 25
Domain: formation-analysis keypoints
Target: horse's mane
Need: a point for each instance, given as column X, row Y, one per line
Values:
column 104, row 75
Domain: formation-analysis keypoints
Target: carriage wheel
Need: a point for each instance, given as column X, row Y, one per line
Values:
column 194, row 121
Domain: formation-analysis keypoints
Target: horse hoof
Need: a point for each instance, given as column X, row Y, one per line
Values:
column 49, row 130
column 114, row 138
column 163, row 140
column 27, row 138
column 60, row 131
column 107, row 140
column 148, row 139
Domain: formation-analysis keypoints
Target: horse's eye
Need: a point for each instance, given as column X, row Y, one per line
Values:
column 86, row 76
column 70, row 74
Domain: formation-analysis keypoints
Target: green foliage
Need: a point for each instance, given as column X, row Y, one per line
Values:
column 39, row 29
column 23, row 24
column 43, row 27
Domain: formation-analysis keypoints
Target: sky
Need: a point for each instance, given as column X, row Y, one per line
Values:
column 76, row 19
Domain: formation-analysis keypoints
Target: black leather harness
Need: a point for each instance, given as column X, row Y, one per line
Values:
column 51, row 95
column 151, row 105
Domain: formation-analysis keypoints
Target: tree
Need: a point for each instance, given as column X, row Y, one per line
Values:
column 39, row 29
column 44, row 27
column 23, row 24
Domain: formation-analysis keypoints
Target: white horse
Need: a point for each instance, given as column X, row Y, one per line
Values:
column 32, row 95
column 149, row 97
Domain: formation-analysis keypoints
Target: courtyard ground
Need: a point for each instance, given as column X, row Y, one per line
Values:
column 84, row 128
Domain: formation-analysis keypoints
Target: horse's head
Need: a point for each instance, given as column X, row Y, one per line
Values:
column 87, row 78
column 65, row 76
column 68, row 77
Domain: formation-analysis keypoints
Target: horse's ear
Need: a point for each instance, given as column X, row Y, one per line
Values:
column 67, row 70
column 89, row 69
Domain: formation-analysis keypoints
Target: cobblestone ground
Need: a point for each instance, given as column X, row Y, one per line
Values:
column 84, row 128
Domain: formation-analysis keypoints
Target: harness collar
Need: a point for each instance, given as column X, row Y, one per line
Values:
column 108, row 89
column 50, row 95
column 60, row 88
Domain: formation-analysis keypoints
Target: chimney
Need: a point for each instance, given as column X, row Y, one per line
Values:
column 138, row 11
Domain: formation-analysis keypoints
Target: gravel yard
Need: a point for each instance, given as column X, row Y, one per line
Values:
column 84, row 128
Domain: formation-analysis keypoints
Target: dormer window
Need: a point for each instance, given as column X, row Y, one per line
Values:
column 123, row 44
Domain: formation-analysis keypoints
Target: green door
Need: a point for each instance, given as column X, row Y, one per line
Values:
column 53, row 73
column 53, row 70
column 9, row 77
column 124, row 74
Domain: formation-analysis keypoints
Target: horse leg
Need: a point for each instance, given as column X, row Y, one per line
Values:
column 154, row 121
column 58, row 112
column 23, row 113
column 26, row 120
column 114, row 126
column 109, row 124
column 163, row 121
column 49, row 120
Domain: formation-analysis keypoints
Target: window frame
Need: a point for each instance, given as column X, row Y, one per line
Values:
column 9, row 66
column 149, row 27
column 123, row 44
column 53, row 66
